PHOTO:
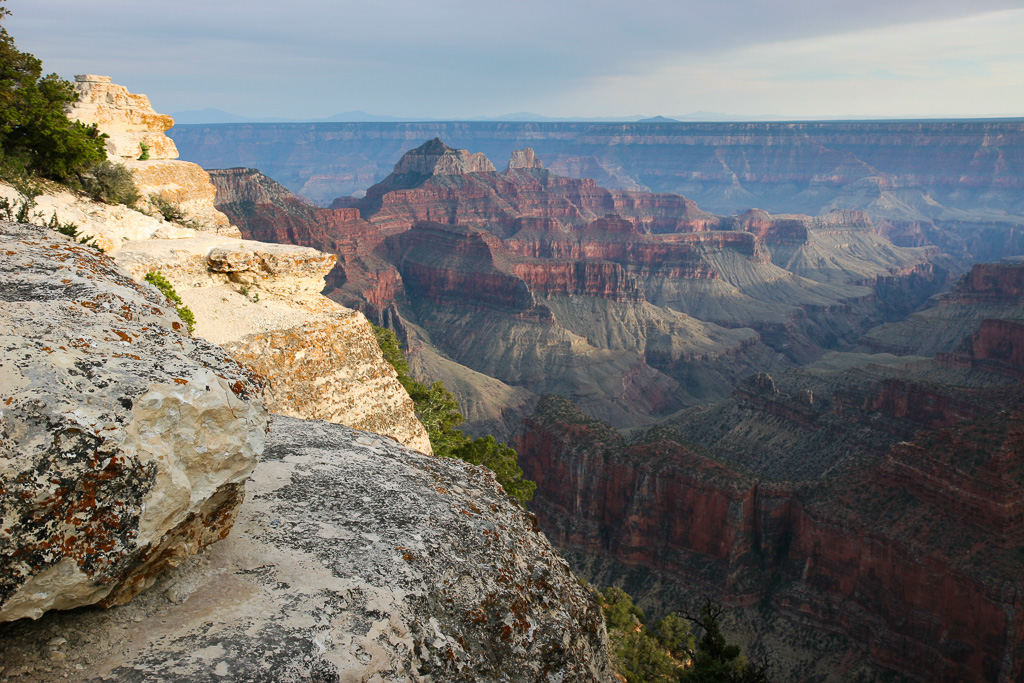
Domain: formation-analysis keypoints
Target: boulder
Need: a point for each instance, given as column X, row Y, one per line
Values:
column 354, row 559
column 125, row 442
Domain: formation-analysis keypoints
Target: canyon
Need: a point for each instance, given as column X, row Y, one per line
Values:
column 952, row 183
column 166, row 476
column 634, row 305
column 814, row 418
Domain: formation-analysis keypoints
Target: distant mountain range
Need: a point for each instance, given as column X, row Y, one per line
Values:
column 209, row 115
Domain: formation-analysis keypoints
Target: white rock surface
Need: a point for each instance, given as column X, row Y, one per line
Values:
column 262, row 303
column 125, row 442
column 127, row 118
column 353, row 559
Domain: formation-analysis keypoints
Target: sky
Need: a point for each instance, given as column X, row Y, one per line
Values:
column 453, row 59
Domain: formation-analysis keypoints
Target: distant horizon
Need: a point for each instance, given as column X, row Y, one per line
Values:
column 194, row 117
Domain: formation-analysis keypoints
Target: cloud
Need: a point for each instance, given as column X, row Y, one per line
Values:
column 439, row 58
column 963, row 67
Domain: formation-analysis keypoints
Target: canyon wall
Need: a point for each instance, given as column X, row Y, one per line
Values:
column 726, row 167
column 608, row 294
column 914, row 560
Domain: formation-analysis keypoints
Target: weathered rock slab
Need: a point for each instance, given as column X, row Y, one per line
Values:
column 124, row 442
column 261, row 302
column 353, row 559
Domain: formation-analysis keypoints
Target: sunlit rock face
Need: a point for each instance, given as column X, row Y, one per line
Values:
column 262, row 303
column 126, row 442
column 128, row 119
column 135, row 138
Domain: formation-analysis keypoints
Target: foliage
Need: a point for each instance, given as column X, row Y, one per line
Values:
column 22, row 213
column 170, row 212
column 108, row 183
column 19, row 214
column 71, row 230
column 640, row 654
column 668, row 651
column 156, row 278
column 145, row 151
column 36, row 137
column 438, row 410
column 716, row 660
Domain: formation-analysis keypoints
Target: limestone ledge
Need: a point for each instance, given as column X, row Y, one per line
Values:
column 186, row 186
column 261, row 302
column 127, row 118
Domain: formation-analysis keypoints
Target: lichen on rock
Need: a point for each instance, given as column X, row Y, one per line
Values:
column 353, row 559
column 125, row 442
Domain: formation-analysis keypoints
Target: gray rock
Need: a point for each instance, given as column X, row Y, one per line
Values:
column 124, row 442
column 353, row 559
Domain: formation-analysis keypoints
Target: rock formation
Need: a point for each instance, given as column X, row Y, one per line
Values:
column 922, row 182
column 129, row 122
column 524, row 158
column 126, row 442
column 125, row 446
column 262, row 304
column 634, row 304
column 987, row 291
column 260, row 301
column 127, row 119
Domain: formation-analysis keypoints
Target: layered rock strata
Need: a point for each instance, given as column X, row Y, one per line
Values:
column 986, row 291
column 913, row 562
column 127, row 119
column 634, row 304
column 126, row 442
column 129, row 122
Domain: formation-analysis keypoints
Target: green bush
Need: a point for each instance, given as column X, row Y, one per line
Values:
column 156, row 278
column 108, row 183
column 438, row 410
column 170, row 212
column 36, row 137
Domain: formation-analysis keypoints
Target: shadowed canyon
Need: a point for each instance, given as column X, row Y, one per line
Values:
column 814, row 417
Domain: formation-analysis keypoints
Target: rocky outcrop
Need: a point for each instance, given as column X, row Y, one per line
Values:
column 187, row 187
column 997, row 347
column 912, row 561
column 129, row 122
column 262, row 303
column 524, row 158
column 988, row 291
column 125, row 443
column 436, row 158
column 352, row 559
column 126, row 118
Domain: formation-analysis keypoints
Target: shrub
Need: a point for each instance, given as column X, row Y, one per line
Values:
column 170, row 212
column 438, row 410
column 156, row 278
column 109, row 183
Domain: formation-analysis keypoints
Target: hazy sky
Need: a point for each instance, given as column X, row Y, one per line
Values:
column 461, row 58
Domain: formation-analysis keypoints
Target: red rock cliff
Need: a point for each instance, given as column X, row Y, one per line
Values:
column 894, row 557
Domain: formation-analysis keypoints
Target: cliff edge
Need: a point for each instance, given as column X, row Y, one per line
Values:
column 353, row 558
